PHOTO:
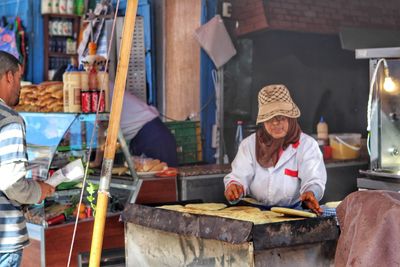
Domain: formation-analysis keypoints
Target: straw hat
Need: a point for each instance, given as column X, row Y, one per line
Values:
column 275, row 100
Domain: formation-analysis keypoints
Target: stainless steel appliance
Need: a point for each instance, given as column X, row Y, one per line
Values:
column 383, row 118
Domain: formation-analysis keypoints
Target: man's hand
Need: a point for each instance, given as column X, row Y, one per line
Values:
column 311, row 202
column 46, row 190
column 234, row 192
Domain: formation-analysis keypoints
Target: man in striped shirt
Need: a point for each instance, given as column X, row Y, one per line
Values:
column 14, row 188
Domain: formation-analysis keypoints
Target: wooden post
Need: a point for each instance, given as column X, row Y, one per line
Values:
column 113, row 127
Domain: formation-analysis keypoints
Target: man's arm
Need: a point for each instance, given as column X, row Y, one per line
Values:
column 13, row 171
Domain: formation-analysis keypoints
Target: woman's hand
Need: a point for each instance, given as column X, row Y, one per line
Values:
column 234, row 192
column 311, row 202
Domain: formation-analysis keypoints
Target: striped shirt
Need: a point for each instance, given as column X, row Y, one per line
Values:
column 13, row 232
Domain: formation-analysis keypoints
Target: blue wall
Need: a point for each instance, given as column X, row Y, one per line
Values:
column 29, row 12
column 207, row 90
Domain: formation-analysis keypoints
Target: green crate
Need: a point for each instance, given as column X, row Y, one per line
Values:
column 188, row 140
column 182, row 128
column 188, row 157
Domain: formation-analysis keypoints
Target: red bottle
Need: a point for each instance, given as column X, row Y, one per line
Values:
column 93, row 88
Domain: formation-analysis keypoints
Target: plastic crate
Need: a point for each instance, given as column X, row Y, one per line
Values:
column 188, row 140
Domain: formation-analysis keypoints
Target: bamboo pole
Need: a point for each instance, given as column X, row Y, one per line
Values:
column 113, row 127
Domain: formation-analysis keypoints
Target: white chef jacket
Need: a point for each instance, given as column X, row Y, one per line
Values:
column 300, row 168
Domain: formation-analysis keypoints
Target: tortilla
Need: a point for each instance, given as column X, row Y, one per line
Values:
column 293, row 212
column 252, row 201
column 241, row 208
column 206, row 206
column 172, row 207
column 332, row 204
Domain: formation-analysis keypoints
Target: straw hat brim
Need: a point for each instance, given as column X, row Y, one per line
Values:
column 269, row 111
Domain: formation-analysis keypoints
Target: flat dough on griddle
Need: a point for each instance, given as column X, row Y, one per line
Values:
column 172, row 207
column 206, row 206
column 293, row 212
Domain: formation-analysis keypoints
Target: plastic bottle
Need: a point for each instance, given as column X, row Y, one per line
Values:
column 65, row 88
column 55, row 6
column 70, row 6
column 238, row 135
column 62, row 6
column 74, row 90
column 46, row 7
column 94, row 89
column 84, row 78
column 79, row 7
column 322, row 132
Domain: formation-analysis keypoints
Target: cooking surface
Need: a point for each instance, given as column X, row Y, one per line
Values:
column 234, row 231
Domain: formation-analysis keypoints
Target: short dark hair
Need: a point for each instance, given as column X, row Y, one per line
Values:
column 8, row 63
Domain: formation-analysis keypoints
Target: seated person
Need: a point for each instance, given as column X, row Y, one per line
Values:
column 279, row 165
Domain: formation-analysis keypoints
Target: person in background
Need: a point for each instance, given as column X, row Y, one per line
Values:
column 144, row 132
column 15, row 189
column 279, row 165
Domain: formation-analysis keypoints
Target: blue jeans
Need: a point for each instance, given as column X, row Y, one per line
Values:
column 11, row 259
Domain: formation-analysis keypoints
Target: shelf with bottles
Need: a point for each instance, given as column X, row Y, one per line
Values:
column 60, row 41
column 62, row 16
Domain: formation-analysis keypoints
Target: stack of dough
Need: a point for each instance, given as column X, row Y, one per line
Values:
column 45, row 97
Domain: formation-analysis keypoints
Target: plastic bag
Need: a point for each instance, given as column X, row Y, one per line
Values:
column 8, row 42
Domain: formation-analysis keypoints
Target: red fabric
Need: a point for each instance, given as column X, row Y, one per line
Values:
column 370, row 229
column 296, row 145
column 292, row 173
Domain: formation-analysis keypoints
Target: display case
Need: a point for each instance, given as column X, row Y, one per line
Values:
column 53, row 139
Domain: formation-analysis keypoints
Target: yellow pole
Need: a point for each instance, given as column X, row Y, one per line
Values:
column 113, row 127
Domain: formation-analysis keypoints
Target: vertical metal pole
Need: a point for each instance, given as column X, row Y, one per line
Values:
column 113, row 128
column 222, row 148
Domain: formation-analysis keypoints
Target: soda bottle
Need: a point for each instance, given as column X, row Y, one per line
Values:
column 322, row 131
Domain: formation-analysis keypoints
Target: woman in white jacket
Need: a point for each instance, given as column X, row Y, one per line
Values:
column 278, row 165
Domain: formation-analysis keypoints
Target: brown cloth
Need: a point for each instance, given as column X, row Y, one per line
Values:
column 370, row 229
column 267, row 147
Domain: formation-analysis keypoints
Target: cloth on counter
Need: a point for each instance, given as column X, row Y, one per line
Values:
column 370, row 229
column 328, row 211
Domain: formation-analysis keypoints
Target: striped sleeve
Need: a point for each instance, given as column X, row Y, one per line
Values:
column 12, row 144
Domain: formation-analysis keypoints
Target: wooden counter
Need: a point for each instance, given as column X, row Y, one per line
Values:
column 50, row 246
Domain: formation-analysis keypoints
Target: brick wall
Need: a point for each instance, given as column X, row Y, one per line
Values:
column 317, row 16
